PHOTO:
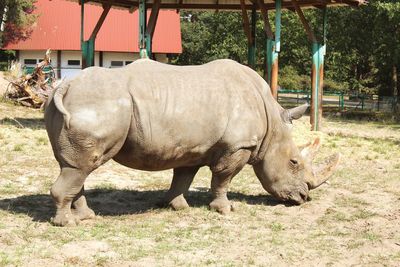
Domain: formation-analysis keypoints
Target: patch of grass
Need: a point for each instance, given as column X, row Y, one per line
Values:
column 101, row 260
column 5, row 259
column 351, row 201
column 40, row 141
column 332, row 215
column 18, row 147
column 74, row 261
column 9, row 189
column 105, row 186
column 354, row 244
column 276, row 227
column 371, row 236
column 363, row 214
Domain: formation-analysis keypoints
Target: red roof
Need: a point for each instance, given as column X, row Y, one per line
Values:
column 58, row 28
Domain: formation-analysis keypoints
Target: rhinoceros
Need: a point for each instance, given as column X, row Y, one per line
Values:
column 153, row 116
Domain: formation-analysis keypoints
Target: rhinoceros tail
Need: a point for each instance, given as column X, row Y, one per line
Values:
column 58, row 101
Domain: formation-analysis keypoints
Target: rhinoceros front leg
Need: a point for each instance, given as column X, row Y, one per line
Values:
column 67, row 187
column 222, row 173
column 181, row 182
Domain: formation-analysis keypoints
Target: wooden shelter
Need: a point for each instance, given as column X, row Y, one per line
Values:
column 147, row 26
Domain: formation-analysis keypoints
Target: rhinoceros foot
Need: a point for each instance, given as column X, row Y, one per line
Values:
column 223, row 206
column 179, row 203
column 65, row 219
column 84, row 213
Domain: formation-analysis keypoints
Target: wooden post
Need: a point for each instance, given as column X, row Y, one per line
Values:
column 317, row 70
column 101, row 58
column 142, row 28
column 271, row 73
column 58, row 64
column 151, row 26
column 88, row 47
column 250, row 32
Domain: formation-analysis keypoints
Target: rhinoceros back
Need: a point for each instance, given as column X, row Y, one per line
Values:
column 190, row 115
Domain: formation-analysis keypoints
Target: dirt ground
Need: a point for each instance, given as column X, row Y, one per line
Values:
column 353, row 221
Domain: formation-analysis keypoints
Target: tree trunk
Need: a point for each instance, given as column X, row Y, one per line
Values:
column 2, row 12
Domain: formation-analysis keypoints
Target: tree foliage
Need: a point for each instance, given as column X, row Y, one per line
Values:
column 16, row 17
column 363, row 46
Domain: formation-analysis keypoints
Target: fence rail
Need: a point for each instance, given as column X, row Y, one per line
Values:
column 340, row 100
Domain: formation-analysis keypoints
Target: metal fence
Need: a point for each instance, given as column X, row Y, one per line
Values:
column 340, row 100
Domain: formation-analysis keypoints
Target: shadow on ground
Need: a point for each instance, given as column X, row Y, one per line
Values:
column 32, row 123
column 120, row 202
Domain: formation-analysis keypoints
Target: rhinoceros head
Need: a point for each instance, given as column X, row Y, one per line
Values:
column 286, row 171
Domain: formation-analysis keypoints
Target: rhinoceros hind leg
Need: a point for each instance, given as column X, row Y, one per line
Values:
column 181, row 182
column 80, row 208
column 222, row 173
column 64, row 191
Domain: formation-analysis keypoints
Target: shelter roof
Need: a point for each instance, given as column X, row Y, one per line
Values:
column 58, row 28
column 224, row 4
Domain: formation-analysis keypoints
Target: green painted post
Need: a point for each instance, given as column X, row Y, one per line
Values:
column 272, row 52
column 314, row 85
column 148, row 45
column 251, row 51
column 89, row 52
column 87, row 47
column 142, row 29
column 362, row 102
column 269, row 56
column 318, row 54
column 341, row 101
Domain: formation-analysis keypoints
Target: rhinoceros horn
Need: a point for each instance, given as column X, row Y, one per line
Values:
column 318, row 174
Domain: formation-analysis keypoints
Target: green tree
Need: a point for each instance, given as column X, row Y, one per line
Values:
column 211, row 35
column 387, row 47
column 15, row 18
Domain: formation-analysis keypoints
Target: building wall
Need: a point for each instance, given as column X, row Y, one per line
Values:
column 125, row 58
column 69, row 60
column 67, row 70
column 37, row 55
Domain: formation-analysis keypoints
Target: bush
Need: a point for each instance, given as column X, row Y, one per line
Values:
column 291, row 80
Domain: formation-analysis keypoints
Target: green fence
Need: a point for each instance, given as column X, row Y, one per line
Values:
column 355, row 101
column 307, row 95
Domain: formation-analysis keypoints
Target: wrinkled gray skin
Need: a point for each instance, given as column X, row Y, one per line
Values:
column 152, row 116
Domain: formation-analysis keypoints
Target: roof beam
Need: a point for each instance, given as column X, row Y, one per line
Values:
column 99, row 23
column 151, row 25
column 304, row 21
column 218, row 6
column 352, row 3
column 267, row 25
column 246, row 23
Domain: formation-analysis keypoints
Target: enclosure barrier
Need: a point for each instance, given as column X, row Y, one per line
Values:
column 340, row 100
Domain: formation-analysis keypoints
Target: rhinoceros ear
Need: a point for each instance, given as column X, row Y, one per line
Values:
column 297, row 112
column 288, row 115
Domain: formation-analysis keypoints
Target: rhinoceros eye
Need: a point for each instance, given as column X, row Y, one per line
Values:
column 294, row 161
